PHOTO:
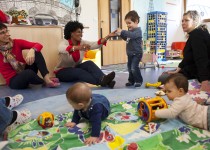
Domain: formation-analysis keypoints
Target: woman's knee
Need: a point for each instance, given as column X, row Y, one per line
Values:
column 89, row 63
column 29, row 73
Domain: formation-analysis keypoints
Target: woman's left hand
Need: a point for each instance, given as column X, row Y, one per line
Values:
column 205, row 86
column 30, row 57
column 85, row 47
column 112, row 33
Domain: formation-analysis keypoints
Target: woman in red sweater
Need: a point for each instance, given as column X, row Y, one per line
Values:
column 17, row 71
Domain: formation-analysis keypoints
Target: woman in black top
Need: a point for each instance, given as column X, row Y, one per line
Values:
column 196, row 61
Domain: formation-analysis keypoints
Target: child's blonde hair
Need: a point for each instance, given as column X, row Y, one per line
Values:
column 79, row 93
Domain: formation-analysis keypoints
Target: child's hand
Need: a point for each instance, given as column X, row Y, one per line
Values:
column 91, row 140
column 118, row 31
column 70, row 124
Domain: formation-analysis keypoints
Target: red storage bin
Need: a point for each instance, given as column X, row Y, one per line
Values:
column 178, row 45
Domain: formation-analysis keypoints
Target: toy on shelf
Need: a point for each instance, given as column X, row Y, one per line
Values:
column 156, row 84
column 149, row 57
column 157, row 33
column 147, row 107
column 18, row 17
column 45, row 120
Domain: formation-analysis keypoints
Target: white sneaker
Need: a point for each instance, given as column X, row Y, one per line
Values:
column 23, row 116
column 15, row 101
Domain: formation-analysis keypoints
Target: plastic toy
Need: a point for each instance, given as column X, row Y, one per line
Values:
column 160, row 93
column 156, row 84
column 147, row 107
column 46, row 120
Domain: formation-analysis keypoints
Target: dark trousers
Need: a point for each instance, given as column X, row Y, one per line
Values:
column 29, row 75
column 6, row 116
column 189, row 74
column 133, row 68
column 87, row 71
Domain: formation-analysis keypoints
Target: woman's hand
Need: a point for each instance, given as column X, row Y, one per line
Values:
column 91, row 140
column 30, row 57
column 174, row 72
column 85, row 47
column 70, row 124
column 205, row 86
column 111, row 34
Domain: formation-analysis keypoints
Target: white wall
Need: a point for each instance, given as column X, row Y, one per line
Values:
column 174, row 10
column 89, row 18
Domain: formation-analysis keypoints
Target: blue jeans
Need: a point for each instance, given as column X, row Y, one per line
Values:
column 133, row 68
column 87, row 71
column 5, row 115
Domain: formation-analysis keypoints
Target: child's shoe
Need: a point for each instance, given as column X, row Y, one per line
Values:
column 137, row 84
column 129, row 84
column 23, row 117
column 15, row 101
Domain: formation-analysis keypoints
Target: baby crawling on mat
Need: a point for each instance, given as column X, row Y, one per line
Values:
column 92, row 107
column 183, row 106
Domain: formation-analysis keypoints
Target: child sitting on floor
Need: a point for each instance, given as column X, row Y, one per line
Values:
column 93, row 107
column 183, row 106
column 10, row 119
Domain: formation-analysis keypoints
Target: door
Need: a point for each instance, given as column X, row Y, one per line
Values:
column 115, row 50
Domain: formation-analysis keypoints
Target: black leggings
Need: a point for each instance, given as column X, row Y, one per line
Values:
column 29, row 75
column 87, row 71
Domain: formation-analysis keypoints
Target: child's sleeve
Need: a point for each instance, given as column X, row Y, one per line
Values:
column 175, row 109
column 76, row 118
column 123, row 36
column 95, row 119
column 131, row 35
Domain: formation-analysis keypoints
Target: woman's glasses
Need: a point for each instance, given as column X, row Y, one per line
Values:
column 4, row 32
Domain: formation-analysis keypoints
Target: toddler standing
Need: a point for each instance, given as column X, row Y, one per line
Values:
column 134, row 51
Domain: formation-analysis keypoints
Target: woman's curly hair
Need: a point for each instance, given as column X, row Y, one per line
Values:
column 70, row 27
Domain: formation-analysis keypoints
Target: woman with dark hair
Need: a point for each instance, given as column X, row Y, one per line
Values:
column 196, row 61
column 71, row 52
column 17, row 71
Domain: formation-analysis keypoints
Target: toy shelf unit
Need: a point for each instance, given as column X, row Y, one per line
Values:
column 157, row 33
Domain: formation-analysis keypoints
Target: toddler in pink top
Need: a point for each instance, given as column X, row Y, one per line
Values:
column 183, row 105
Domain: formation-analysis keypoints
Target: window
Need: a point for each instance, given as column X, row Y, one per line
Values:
column 202, row 6
column 115, row 16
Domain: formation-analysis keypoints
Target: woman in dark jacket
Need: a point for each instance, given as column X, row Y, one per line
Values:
column 196, row 61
